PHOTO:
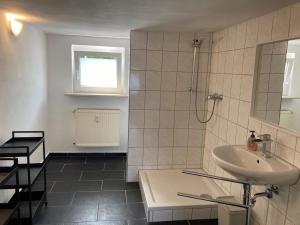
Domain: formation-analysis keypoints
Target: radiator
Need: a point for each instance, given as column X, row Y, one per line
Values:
column 97, row 127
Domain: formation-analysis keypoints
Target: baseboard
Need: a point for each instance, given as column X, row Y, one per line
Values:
column 81, row 154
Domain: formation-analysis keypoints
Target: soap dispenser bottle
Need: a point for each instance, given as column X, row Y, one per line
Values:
column 252, row 145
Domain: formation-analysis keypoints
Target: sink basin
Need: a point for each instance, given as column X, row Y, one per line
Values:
column 254, row 167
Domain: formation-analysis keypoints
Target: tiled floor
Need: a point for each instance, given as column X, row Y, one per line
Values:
column 93, row 191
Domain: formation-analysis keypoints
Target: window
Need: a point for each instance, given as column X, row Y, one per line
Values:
column 98, row 69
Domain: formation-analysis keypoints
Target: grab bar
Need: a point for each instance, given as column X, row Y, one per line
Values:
column 213, row 200
column 215, row 177
column 246, row 194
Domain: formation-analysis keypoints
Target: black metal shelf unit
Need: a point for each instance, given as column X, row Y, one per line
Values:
column 24, row 144
column 9, row 208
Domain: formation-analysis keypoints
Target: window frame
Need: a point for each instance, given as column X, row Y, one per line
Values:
column 100, row 51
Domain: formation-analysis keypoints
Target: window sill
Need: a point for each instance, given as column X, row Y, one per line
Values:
column 95, row 94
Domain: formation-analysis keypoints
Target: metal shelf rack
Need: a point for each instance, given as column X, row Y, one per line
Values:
column 23, row 144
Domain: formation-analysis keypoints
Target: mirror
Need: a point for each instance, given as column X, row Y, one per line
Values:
column 277, row 91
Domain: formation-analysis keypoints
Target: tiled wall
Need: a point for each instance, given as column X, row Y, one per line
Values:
column 270, row 76
column 163, row 131
column 232, row 65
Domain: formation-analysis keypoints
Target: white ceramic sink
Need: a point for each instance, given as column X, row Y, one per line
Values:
column 254, row 167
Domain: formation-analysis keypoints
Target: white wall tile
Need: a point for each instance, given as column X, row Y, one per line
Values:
column 166, row 119
column 281, row 23
column 136, row 138
column 151, row 138
column 182, row 119
column 155, row 41
column 275, row 217
column 152, row 100
column 166, row 137
column 168, row 82
column 171, row 41
column 170, row 60
column 154, row 60
column 179, row 155
column 241, row 35
column 265, row 28
column 295, row 20
column 251, row 33
column 293, row 207
column 181, row 137
column 138, row 60
column 167, row 99
column 165, row 156
column 185, row 61
column 151, row 118
column 137, row 80
column 186, row 41
column 182, row 100
column 135, row 156
column 138, row 40
column 150, row 156
column 183, row 81
column 136, row 119
column 153, row 80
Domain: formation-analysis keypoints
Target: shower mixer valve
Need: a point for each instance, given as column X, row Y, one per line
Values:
column 215, row 96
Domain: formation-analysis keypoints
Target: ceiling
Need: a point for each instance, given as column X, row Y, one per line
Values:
column 117, row 17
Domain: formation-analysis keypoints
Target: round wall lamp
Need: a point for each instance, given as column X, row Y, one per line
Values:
column 15, row 27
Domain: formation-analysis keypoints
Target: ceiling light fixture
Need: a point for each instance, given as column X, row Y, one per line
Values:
column 15, row 27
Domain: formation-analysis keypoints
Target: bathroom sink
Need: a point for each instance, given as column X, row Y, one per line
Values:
column 253, row 166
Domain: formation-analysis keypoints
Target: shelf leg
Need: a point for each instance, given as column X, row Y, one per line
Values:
column 29, row 187
column 45, row 173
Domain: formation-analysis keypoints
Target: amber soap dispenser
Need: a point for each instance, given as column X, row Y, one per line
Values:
column 252, row 145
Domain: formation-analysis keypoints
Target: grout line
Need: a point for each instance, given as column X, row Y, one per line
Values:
column 73, row 197
column 54, row 182
column 80, row 177
column 101, row 186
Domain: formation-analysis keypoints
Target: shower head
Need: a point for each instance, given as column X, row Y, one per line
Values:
column 197, row 43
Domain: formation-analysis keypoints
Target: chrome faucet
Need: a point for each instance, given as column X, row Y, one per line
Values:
column 266, row 141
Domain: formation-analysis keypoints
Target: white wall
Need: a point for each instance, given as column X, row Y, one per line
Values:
column 61, row 119
column 23, row 86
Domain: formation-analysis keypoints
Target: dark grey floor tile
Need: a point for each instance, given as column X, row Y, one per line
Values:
column 59, row 199
column 136, row 210
column 68, row 159
column 54, row 166
column 133, row 196
column 132, row 186
column 138, row 222
column 204, row 222
column 144, row 222
column 83, row 167
column 73, row 186
column 86, row 198
column 102, row 175
column 54, row 215
column 111, row 185
column 112, row 197
column 95, row 159
column 115, row 222
column 114, row 166
column 63, row 176
column 113, row 212
column 39, row 185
